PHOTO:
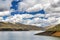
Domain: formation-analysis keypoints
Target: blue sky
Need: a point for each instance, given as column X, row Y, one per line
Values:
column 14, row 3
column 29, row 12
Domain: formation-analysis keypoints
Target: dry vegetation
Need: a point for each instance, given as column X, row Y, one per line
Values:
column 55, row 28
column 52, row 31
column 16, row 27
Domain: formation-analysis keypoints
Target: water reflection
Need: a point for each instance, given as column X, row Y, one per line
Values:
column 24, row 35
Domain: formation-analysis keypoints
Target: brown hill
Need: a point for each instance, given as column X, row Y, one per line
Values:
column 56, row 34
column 55, row 28
column 16, row 27
column 52, row 31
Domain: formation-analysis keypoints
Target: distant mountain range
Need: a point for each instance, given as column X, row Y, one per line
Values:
column 51, row 31
column 5, row 26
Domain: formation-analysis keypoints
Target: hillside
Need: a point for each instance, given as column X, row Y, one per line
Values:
column 52, row 31
column 55, row 28
column 16, row 27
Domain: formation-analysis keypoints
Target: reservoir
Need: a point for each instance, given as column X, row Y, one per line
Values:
column 24, row 35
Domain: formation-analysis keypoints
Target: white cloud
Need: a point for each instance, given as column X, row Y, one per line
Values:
column 52, row 15
column 5, row 13
column 18, row 18
column 35, row 8
column 5, row 5
column 4, row 8
column 39, row 15
column 55, row 1
column 1, row 19
column 22, row 6
column 27, row 15
column 37, row 21
column 33, row 5
column 58, row 22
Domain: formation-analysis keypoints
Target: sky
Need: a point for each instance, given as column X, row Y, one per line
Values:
column 40, row 13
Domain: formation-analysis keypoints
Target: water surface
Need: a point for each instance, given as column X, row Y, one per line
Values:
column 24, row 35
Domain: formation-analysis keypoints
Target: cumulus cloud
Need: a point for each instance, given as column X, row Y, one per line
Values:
column 22, row 6
column 35, row 8
column 37, row 21
column 33, row 5
column 4, row 8
column 4, row 13
column 1, row 19
column 18, row 18
column 5, row 5
column 39, row 15
column 51, row 8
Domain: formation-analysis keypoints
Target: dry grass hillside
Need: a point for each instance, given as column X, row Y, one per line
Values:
column 51, row 31
column 55, row 28
column 16, row 27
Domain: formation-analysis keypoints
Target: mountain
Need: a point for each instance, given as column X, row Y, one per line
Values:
column 5, row 26
column 54, row 28
column 51, row 31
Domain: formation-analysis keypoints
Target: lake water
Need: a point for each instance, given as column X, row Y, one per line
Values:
column 24, row 35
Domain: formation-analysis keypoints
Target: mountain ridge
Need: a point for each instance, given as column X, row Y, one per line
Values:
column 17, row 26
